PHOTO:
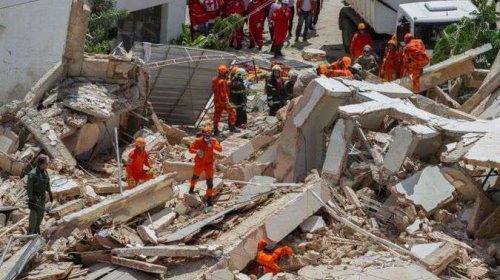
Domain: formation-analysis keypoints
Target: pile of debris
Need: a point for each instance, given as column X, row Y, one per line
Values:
column 360, row 179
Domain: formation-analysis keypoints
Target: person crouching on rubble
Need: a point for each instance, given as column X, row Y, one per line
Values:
column 137, row 159
column 292, row 79
column 368, row 60
column 204, row 147
column 38, row 184
column 275, row 91
column 340, row 68
column 268, row 257
column 322, row 70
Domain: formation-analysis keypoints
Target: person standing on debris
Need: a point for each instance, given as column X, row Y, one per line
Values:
column 340, row 68
column 359, row 41
column 256, row 23
column 315, row 19
column 268, row 257
column 220, row 86
column 275, row 91
column 305, row 12
column 198, row 19
column 390, row 68
column 238, row 97
column 292, row 79
column 415, row 58
column 275, row 5
column 213, row 10
column 38, row 184
column 368, row 61
column 137, row 159
column 236, row 7
column 280, row 18
column 291, row 5
column 204, row 147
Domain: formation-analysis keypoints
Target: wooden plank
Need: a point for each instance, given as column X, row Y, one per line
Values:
column 121, row 208
column 491, row 83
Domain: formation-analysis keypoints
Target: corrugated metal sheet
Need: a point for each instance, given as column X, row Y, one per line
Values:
column 180, row 92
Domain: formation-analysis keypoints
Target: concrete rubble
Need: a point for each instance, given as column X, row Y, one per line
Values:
column 359, row 178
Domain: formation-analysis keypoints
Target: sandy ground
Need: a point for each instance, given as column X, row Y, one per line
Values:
column 327, row 37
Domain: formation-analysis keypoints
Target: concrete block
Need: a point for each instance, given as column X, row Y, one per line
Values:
column 402, row 146
column 184, row 170
column 485, row 152
column 311, row 54
column 9, row 142
column 464, row 184
column 436, row 256
column 313, row 224
column 427, row 188
column 338, row 149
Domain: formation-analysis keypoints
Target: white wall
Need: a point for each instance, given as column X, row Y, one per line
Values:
column 173, row 17
column 32, row 40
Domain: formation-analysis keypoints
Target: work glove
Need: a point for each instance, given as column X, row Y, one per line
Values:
column 201, row 153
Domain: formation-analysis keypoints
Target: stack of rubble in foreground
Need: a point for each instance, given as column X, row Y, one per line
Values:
column 362, row 180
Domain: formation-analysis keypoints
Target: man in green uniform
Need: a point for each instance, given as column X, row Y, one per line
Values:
column 38, row 184
column 368, row 60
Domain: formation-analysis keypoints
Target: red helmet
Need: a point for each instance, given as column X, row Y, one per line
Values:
column 222, row 69
column 140, row 142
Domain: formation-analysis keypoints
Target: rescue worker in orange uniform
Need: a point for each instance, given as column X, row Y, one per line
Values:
column 340, row 68
column 322, row 70
column 137, row 159
column 268, row 257
column 220, row 86
column 359, row 41
column 391, row 64
column 204, row 147
column 256, row 23
column 235, row 7
column 415, row 58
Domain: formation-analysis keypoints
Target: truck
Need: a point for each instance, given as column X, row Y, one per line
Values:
column 384, row 18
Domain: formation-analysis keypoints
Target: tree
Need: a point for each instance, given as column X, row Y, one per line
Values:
column 469, row 33
column 102, row 25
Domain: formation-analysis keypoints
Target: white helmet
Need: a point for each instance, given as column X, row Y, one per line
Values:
column 276, row 68
column 285, row 2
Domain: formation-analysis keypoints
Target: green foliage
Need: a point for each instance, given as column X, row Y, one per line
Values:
column 102, row 24
column 217, row 39
column 469, row 33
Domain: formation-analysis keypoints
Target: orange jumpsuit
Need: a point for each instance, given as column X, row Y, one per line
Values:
column 336, row 70
column 415, row 58
column 390, row 65
column 135, row 168
column 221, row 98
column 205, row 162
column 358, row 43
column 268, row 262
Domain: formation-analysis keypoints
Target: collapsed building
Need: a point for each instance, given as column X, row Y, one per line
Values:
column 360, row 178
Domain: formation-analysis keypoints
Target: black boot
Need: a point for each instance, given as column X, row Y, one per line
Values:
column 191, row 190
column 276, row 51
column 279, row 50
column 216, row 131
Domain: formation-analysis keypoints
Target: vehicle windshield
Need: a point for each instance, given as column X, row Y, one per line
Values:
column 430, row 33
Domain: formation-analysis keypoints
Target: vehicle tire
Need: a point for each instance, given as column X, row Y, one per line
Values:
column 348, row 29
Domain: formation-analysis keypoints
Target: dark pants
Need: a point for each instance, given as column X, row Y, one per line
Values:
column 304, row 19
column 240, row 101
column 290, row 22
column 316, row 13
column 271, row 30
column 36, row 215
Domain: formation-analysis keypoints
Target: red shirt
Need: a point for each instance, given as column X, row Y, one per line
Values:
column 358, row 43
column 137, row 160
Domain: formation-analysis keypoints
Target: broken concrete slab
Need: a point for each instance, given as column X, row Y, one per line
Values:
column 436, row 256
column 338, row 149
column 262, row 184
column 313, row 224
column 311, row 54
column 481, row 209
column 402, row 146
column 184, row 170
column 388, row 89
column 485, row 152
column 147, row 231
column 139, row 265
column 122, row 207
column 428, row 141
column 11, row 269
column 33, row 121
column 51, row 271
column 63, row 187
column 67, row 208
column 171, row 251
column 245, row 171
column 490, row 226
column 249, row 148
column 427, row 188
column 464, row 184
